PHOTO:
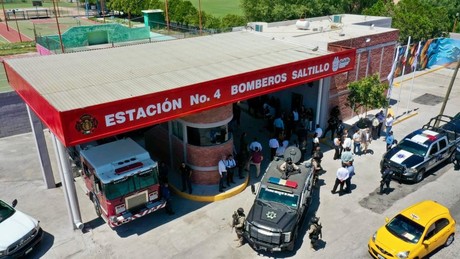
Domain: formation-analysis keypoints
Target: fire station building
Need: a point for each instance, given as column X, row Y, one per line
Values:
column 183, row 90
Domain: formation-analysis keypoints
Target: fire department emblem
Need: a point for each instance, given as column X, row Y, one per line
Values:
column 271, row 215
column 86, row 124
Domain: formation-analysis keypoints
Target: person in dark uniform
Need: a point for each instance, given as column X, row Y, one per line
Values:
column 288, row 168
column 163, row 172
column 237, row 114
column 314, row 233
column 457, row 158
column 186, row 175
column 238, row 224
column 387, row 175
column 231, row 167
column 166, row 193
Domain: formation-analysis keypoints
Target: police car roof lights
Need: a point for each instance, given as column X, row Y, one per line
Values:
column 281, row 182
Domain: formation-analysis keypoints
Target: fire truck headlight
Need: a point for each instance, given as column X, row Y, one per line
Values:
column 113, row 219
column 153, row 196
column 120, row 208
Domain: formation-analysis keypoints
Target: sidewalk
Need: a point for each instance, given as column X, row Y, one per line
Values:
column 11, row 34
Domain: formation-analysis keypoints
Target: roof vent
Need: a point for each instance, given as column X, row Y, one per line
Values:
column 302, row 24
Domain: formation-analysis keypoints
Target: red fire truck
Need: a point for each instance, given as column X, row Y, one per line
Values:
column 121, row 181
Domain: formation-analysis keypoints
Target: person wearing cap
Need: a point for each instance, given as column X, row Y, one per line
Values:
column 390, row 139
column 288, row 167
column 239, row 226
column 314, row 232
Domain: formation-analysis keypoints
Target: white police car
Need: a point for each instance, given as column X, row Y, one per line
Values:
column 19, row 232
column 417, row 153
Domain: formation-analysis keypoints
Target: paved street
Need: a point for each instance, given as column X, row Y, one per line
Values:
column 202, row 230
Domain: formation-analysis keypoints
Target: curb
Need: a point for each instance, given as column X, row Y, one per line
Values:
column 405, row 118
column 209, row 198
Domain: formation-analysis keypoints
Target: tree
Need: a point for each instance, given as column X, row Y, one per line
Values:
column 419, row 19
column 280, row 10
column 131, row 7
column 357, row 6
column 367, row 93
column 232, row 20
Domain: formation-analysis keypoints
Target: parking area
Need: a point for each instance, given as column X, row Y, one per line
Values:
column 202, row 230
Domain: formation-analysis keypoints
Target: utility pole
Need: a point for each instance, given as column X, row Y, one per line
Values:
column 4, row 14
column 59, row 29
column 448, row 91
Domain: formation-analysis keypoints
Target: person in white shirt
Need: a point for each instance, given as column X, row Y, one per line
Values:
column 282, row 148
column 319, row 131
column 315, row 142
column 274, row 144
column 389, row 123
column 342, row 176
column 255, row 144
column 222, row 172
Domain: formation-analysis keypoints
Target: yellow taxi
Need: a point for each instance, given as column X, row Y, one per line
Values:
column 414, row 233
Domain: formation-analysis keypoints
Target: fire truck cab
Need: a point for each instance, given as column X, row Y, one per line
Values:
column 121, row 181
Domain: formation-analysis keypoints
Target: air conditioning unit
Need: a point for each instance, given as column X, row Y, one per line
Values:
column 302, row 24
column 259, row 27
column 337, row 19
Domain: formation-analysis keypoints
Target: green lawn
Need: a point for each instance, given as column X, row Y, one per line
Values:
column 219, row 8
column 4, row 86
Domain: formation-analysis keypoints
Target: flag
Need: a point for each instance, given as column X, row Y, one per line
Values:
column 415, row 62
column 406, row 53
column 393, row 68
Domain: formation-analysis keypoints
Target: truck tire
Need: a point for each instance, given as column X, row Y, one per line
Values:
column 97, row 208
column 294, row 238
column 419, row 176
column 451, row 158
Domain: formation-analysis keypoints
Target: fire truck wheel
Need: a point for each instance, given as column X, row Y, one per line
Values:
column 97, row 208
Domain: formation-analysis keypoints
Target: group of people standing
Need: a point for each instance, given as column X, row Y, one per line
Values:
column 227, row 168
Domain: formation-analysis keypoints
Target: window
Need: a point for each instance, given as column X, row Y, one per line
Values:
column 442, row 144
column 130, row 184
column 436, row 228
column 434, row 149
column 177, row 129
column 208, row 136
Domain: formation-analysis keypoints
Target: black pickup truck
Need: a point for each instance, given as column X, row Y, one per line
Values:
column 424, row 148
column 280, row 205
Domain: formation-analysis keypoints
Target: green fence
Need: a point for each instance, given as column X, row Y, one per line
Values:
column 84, row 36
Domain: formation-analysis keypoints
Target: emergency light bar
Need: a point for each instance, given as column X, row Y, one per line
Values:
column 281, row 182
column 128, row 168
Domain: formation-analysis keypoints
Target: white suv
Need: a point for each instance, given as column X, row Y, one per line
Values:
column 19, row 232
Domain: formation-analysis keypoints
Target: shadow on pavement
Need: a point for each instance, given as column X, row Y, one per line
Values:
column 40, row 250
